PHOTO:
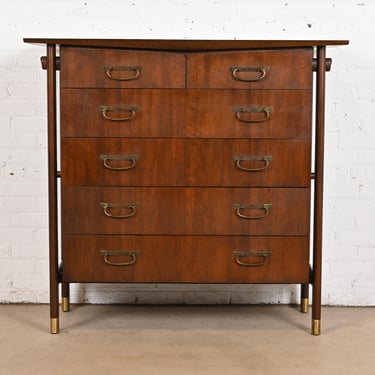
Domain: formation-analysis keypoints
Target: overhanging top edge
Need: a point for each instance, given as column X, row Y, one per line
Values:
column 185, row 44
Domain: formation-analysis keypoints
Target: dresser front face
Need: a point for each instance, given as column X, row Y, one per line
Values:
column 185, row 167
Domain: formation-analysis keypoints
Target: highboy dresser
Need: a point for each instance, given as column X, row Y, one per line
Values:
column 185, row 162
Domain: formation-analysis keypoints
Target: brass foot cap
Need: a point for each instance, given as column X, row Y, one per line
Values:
column 304, row 308
column 315, row 330
column 65, row 304
column 54, row 325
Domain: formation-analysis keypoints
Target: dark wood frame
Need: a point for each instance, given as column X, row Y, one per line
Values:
column 52, row 188
column 321, row 64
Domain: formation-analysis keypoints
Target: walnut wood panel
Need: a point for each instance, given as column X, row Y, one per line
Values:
column 276, row 69
column 85, row 67
column 186, row 113
column 196, row 259
column 195, row 211
column 185, row 162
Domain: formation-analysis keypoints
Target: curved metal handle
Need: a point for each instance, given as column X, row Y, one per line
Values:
column 260, row 70
column 126, row 108
column 240, row 206
column 107, row 254
column 265, row 255
column 107, row 158
column 240, row 110
column 109, row 69
column 265, row 159
column 107, row 206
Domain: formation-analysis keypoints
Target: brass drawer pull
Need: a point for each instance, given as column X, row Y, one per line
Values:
column 128, row 158
column 129, row 206
column 137, row 72
column 126, row 108
column 265, row 159
column 264, row 255
column 240, row 110
column 107, row 254
column 240, row 206
column 260, row 70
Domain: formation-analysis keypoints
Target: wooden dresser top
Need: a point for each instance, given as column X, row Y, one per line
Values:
column 185, row 44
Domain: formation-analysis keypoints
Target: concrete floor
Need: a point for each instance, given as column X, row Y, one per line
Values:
column 179, row 340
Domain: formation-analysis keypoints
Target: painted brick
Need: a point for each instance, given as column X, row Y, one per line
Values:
column 30, row 124
column 33, row 189
column 23, row 204
column 12, row 140
column 29, row 220
column 5, row 219
column 34, row 250
column 9, row 235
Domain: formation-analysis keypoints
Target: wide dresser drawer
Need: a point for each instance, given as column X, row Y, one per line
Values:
column 185, row 211
column 193, row 113
column 185, row 162
column 195, row 259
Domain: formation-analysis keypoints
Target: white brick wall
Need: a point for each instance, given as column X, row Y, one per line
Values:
column 349, row 237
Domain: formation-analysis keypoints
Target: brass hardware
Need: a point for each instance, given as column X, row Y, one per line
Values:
column 65, row 304
column 261, row 70
column 315, row 328
column 54, row 325
column 116, row 253
column 240, row 110
column 107, row 206
column 257, row 254
column 136, row 69
column 108, row 158
column 304, row 307
column 126, row 108
column 265, row 159
column 240, row 206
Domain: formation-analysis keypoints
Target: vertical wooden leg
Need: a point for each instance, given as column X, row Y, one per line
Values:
column 52, row 189
column 65, row 301
column 318, row 192
column 54, row 297
column 54, row 301
column 304, row 304
column 316, row 309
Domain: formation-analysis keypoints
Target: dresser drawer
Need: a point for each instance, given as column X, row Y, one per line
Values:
column 186, row 113
column 85, row 67
column 277, row 69
column 185, row 162
column 197, row 259
column 195, row 211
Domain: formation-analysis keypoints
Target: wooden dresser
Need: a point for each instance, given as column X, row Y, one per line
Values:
column 185, row 162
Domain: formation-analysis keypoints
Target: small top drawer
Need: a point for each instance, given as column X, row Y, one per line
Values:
column 275, row 69
column 108, row 68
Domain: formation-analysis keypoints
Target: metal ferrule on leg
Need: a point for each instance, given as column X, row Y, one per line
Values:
column 65, row 304
column 315, row 327
column 54, row 325
column 304, row 307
